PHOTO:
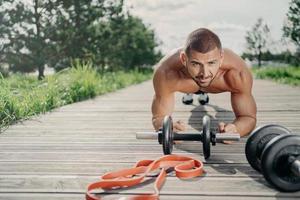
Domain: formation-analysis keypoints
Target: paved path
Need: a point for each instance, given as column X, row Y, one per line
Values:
column 56, row 155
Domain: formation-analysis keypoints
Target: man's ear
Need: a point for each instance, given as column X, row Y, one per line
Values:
column 183, row 58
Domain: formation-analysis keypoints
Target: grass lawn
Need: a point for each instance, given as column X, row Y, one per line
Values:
column 286, row 75
column 22, row 96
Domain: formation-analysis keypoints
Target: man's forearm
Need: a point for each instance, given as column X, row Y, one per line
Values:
column 245, row 124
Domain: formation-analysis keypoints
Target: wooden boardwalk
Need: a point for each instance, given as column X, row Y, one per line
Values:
column 56, row 155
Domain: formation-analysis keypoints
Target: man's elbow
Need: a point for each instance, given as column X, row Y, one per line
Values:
column 252, row 125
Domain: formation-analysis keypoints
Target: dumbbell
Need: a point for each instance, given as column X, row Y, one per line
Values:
column 275, row 152
column 166, row 136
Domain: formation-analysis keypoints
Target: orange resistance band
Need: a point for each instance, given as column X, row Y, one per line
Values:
column 185, row 167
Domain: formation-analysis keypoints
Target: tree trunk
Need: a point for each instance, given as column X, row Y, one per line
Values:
column 259, row 57
column 38, row 35
column 41, row 75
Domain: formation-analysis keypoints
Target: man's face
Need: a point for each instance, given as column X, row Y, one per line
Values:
column 203, row 67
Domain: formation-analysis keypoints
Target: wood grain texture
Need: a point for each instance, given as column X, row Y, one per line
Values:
column 56, row 154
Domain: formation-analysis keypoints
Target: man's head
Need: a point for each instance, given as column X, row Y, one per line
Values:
column 202, row 56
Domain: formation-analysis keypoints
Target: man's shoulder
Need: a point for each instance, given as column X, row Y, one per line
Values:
column 168, row 67
column 239, row 79
column 231, row 59
column 166, row 74
column 237, row 74
column 171, row 58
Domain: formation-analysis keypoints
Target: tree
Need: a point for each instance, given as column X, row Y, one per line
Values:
column 257, row 40
column 46, row 32
column 52, row 33
column 23, row 28
column 128, row 43
column 291, row 28
column 122, row 41
column 74, row 23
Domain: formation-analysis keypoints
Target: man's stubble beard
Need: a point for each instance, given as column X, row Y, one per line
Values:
column 208, row 84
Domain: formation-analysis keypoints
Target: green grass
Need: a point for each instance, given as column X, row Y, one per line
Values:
column 285, row 75
column 22, row 96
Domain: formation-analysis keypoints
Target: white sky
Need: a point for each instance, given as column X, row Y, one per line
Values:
column 172, row 20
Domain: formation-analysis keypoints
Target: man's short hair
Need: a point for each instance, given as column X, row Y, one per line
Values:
column 202, row 40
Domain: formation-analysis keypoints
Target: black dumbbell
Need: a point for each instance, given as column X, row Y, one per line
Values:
column 166, row 136
column 275, row 152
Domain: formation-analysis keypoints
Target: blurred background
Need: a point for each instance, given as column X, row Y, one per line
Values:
column 55, row 52
column 230, row 19
column 259, row 30
column 117, row 34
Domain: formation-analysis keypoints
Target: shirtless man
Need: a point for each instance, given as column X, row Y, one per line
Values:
column 202, row 64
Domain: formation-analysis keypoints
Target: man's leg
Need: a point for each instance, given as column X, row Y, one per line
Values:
column 202, row 98
column 187, row 98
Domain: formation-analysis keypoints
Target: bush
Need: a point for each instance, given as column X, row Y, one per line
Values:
column 286, row 75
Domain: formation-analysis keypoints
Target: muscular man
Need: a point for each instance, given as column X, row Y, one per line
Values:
column 202, row 64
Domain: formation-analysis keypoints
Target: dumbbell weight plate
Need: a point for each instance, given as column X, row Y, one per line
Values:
column 257, row 141
column 206, row 136
column 275, row 164
column 167, row 135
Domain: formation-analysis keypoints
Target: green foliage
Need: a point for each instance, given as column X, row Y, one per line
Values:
column 128, row 44
column 83, row 88
column 4, row 72
column 257, row 39
column 25, row 31
column 22, row 96
column 54, row 32
column 286, row 75
column 292, row 27
column 283, row 57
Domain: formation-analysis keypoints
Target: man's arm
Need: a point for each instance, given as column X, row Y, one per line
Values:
column 165, row 83
column 244, row 107
column 163, row 100
column 242, row 101
column 243, row 104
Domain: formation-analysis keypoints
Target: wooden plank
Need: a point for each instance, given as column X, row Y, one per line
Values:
column 139, row 123
column 60, row 147
column 67, row 196
column 105, row 157
column 98, row 169
column 209, row 186
column 126, row 134
column 106, row 128
column 192, row 118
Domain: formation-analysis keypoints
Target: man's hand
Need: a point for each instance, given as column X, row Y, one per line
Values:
column 179, row 126
column 227, row 128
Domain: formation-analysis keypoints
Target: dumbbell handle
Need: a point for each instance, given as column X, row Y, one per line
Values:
column 146, row 135
column 190, row 136
column 227, row 136
column 295, row 167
